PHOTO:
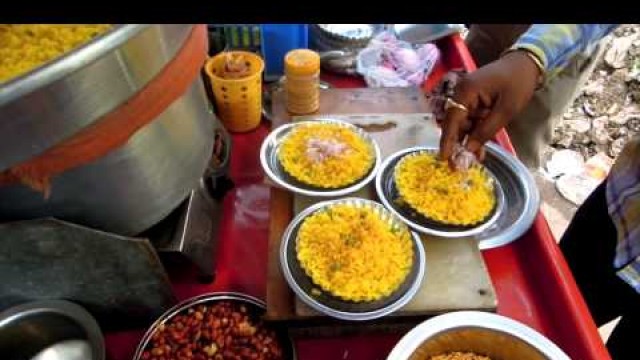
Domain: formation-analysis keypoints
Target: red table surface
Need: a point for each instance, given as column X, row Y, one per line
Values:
column 531, row 278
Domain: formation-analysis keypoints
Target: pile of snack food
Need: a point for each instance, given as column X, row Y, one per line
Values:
column 25, row 47
column 222, row 330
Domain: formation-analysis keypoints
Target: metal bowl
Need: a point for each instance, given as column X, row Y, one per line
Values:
column 521, row 198
column 275, row 171
column 52, row 330
column 388, row 194
column 256, row 308
column 487, row 334
column 333, row 306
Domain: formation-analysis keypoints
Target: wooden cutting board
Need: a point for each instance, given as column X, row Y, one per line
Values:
column 456, row 277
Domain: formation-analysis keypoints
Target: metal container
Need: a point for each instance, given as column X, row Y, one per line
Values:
column 256, row 308
column 521, row 196
column 424, row 33
column 487, row 334
column 276, row 172
column 327, row 304
column 133, row 186
column 388, row 195
column 51, row 330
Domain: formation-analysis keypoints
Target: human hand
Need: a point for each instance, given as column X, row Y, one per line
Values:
column 492, row 96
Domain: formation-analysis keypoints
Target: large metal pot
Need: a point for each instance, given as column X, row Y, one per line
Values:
column 133, row 186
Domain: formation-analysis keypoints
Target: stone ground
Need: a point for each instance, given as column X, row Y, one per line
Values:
column 601, row 120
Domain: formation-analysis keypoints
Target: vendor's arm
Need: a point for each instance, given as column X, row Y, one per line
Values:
column 501, row 89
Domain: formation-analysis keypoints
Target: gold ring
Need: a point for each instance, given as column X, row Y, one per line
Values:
column 450, row 103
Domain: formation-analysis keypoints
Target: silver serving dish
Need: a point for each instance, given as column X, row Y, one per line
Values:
column 275, row 171
column 388, row 195
column 521, row 197
column 424, row 33
column 50, row 330
column 255, row 307
column 327, row 304
column 349, row 32
column 487, row 334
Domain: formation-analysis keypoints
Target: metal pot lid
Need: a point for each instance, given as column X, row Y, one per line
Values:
column 521, row 199
column 275, row 171
column 303, row 286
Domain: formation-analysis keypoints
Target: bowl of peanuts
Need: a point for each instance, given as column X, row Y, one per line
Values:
column 215, row 326
column 474, row 335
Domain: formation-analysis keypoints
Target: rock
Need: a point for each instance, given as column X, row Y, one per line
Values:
column 613, row 109
column 588, row 109
column 617, row 52
column 616, row 146
column 600, row 136
column 619, row 120
column 593, row 88
column 621, row 132
column 565, row 139
column 582, row 138
column 599, row 122
column 578, row 125
column 633, row 123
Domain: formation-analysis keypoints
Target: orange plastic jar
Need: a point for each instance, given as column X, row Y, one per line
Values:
column 302, row 81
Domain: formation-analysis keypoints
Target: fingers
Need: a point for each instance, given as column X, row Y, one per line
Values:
column 451, row 131
column 487, row 128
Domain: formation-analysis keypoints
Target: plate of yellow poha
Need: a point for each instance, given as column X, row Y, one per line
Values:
column 432, row 198
column 352, row 259
column 324, row 157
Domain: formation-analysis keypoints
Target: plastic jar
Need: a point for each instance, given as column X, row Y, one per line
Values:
column 302, row 81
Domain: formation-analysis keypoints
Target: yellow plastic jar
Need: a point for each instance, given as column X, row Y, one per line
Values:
column 302, row 81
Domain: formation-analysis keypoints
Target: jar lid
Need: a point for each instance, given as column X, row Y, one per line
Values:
column 302, row 62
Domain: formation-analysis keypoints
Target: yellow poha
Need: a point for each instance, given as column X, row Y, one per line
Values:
column 459, row 356
column 25, row 47
column 431, row 188
column 325, row 155
column 353, row 254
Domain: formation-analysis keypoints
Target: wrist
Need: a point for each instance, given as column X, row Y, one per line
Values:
column 533, row 62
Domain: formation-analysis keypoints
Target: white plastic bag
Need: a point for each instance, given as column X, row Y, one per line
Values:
column 389, row 62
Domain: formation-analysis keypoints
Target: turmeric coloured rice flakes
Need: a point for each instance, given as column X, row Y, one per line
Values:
column 353, row 254
column 25, row 47
column 430, row 187
column 326, row 155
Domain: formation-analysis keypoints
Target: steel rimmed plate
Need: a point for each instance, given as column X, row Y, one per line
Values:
column 302, row 285
column 389, row 196
column 256, row 308
column 275, row 171
column 521, row 198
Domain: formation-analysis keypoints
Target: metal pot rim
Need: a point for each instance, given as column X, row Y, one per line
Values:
column 67, row 63
column 62, row 307
column 474, row 319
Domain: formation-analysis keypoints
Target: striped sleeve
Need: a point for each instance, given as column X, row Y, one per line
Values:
column 556, row 44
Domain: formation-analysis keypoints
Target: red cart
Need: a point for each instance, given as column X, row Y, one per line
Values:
column 531, row 278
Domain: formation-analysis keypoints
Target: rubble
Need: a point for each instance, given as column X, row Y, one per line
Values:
column 607, row 112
